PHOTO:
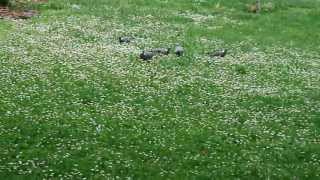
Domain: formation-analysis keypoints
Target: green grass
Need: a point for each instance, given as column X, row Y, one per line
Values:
column 5, row 27
column 76, row 104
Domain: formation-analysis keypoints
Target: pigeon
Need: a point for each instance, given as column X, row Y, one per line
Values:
column 179, row 50
column 75, row 7
column 123, row 40
column 146, row 55
column 255, row 8
column 220, row 53
column 161, row 51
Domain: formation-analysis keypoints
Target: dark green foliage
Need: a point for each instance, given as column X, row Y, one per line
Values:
column 4, row 2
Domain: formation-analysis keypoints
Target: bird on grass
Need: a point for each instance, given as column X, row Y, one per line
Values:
column 221, row 53
column 255, row 8
column 123, row 40
column 146, row 55
column 161, row 51
column 179, row 50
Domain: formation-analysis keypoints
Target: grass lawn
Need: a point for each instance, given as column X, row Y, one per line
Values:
column 76, row 104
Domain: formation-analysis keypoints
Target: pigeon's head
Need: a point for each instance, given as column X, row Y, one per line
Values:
column 142, row 55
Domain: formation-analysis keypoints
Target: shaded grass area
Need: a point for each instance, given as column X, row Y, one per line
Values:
column 74, row 103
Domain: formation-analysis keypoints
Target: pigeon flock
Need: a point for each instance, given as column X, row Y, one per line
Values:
column 178, row 50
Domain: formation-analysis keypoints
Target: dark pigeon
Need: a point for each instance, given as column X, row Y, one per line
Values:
column 179, row 51
column 123, row 40
column 220, row 53
column 146, row 55
column 161, row 51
